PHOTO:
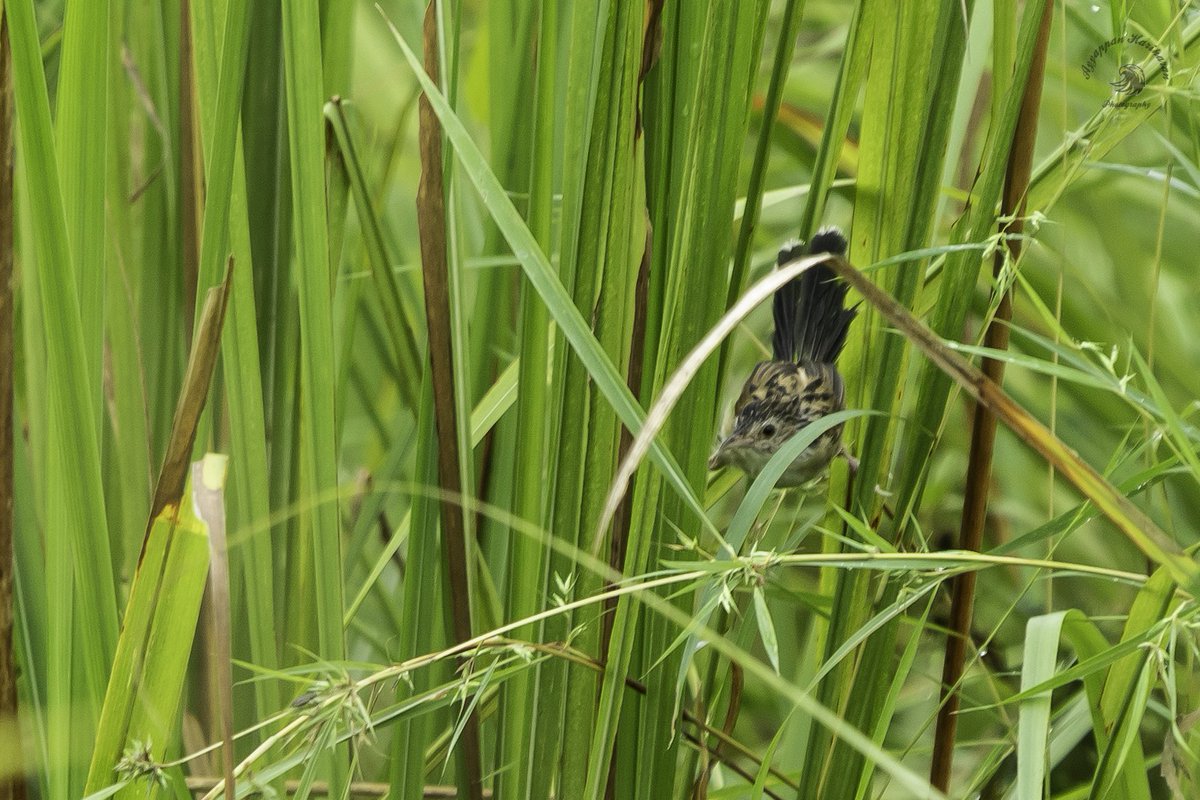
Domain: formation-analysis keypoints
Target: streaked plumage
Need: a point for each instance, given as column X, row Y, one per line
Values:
column 801, row 384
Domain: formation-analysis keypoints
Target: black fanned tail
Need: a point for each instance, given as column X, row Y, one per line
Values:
column 811, row 319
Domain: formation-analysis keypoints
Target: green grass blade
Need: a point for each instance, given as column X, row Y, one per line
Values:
column 129, row 450
column 421, row 630
column 143, row 699
column 531, row 726
column 219, row 90
column 534, row 262
column 1131, row 520
column 81, row 133
column 250, row 484
column 319, row 442
column 80, row 588
column 1040, row 657
column 400, row 318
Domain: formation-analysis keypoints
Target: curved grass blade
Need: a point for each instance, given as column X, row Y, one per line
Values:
column 1129, row 519
column 677, row 384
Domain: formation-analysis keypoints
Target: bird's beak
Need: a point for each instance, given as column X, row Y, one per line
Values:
column 720, row 457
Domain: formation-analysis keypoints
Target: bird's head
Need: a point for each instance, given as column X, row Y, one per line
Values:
column 757, row 433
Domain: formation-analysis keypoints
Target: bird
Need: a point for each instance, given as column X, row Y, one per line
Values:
column 801, row 383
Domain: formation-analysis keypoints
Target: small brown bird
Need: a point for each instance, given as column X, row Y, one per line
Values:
column 800, row 384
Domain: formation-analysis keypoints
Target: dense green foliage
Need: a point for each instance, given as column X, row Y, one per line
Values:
column 615, row 175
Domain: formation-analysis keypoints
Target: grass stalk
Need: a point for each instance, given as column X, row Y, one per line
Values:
column 1129, row 519
column 983, row 428
column 431, row 209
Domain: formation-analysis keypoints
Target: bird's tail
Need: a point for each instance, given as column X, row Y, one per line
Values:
column 811, row 318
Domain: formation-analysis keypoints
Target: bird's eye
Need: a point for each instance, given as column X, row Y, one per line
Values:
column 768, row 430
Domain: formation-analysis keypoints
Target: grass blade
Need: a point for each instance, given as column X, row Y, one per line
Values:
column 193, row 396
column 143, row 699
column 318, row 446
column 81, row 133
column 537, row 267
column 431, row 210
column 82, row 595
column 1131, row 520
column 11, row 787
column 983, row 428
